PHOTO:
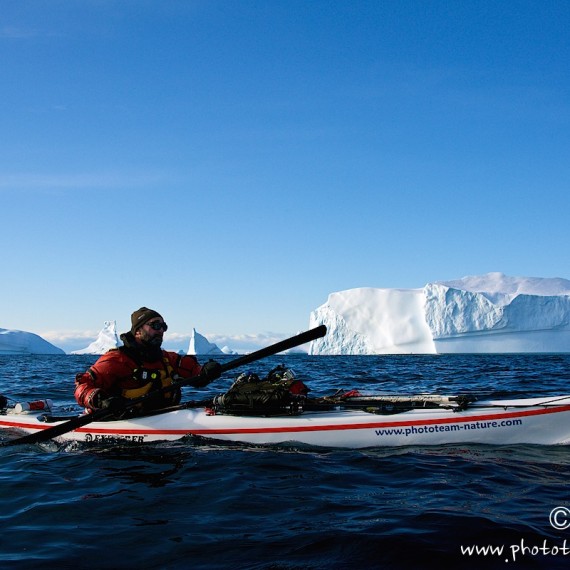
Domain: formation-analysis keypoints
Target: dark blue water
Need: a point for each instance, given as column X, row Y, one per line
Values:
column 193, row 504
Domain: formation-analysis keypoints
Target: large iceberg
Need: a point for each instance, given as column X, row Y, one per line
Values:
column 488, row 314
column 106, row 340
column 22, row 342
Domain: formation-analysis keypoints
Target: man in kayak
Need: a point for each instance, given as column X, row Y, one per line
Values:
column 139, row 367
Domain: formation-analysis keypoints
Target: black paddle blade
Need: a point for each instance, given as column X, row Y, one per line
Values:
column 80, row 421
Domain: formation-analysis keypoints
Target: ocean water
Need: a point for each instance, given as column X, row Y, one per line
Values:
column 195, row 504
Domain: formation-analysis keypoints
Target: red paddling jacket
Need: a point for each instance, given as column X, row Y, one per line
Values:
column 132, row 371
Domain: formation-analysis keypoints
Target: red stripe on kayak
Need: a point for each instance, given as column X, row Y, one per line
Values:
column 23, row 425
column 377, row 425
column 309, row 428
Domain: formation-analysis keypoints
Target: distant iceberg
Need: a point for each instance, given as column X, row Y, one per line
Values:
column 200, row 345
column 485, row 314
column 22, row 342
column 106, row 340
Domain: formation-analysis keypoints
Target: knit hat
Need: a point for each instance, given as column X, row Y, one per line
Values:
column 140, row 317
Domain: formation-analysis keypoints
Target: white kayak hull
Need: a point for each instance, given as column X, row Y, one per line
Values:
column 540, row 421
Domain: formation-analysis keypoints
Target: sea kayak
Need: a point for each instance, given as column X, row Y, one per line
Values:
column 371, row 421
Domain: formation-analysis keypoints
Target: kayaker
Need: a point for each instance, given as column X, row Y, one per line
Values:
column 138, row 367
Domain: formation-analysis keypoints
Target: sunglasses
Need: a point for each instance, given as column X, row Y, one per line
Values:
column 156, row 326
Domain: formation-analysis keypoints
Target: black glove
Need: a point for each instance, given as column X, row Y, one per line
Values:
column 211, row 371
column 114, row 404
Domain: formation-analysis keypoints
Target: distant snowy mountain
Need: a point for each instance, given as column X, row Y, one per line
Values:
column 200, row 345
column 487, row 313
column 106, row 340
column 22, row 342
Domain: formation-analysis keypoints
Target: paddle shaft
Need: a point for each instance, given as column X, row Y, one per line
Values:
column 84, row 419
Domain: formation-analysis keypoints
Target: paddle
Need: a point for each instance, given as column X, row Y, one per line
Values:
column 84, row 419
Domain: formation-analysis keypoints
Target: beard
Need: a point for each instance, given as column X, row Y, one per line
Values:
column 150, row 346
column 152, row 341
column 144, row 348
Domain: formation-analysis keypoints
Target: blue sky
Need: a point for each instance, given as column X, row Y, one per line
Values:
column 231, row 163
